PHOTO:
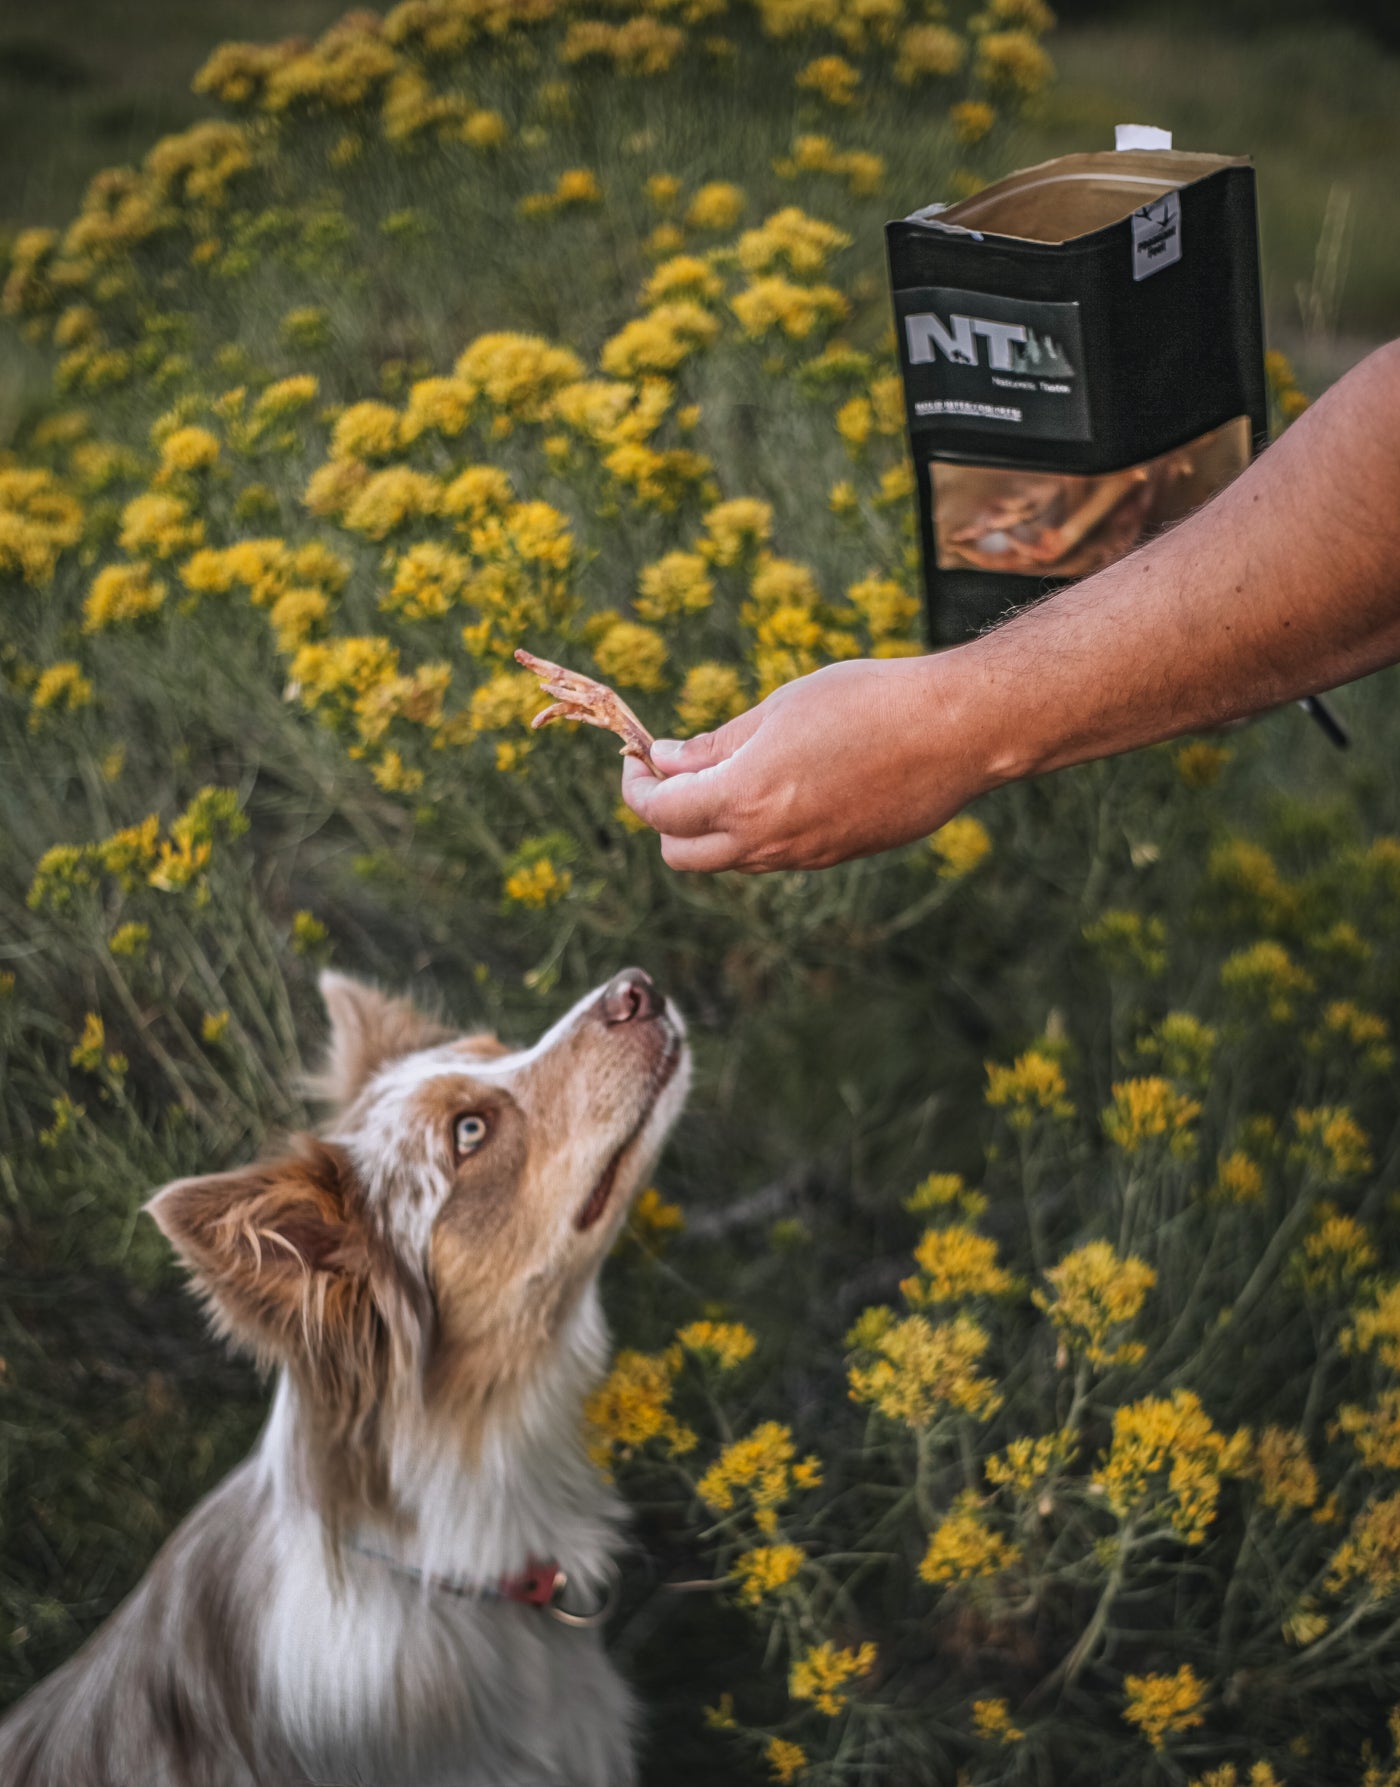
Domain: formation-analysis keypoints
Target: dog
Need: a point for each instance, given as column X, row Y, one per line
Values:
column 395, row 1588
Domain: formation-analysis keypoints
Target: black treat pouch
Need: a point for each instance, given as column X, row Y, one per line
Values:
column 1083, row 363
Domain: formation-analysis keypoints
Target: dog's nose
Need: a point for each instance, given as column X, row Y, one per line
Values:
column 630, row 995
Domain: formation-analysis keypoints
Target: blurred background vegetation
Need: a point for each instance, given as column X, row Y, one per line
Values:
column 1308, row 87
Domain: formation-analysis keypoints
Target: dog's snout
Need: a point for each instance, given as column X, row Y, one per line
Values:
column 629, row 996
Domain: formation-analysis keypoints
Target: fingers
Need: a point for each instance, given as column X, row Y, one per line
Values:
column 707, row 855
column 674, row 756
column 683, row 806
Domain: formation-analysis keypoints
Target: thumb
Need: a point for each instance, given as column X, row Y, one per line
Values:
column 673, row 756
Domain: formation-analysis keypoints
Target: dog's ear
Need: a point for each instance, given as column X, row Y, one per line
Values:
column 368, row 1029
column 280, row 1251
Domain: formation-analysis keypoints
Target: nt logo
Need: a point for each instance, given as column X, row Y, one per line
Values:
column 1011, row 347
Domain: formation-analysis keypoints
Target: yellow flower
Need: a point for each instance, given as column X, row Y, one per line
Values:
column 66, row 1117
column 717, row 206
column 659, row 341
column 924, row 1371
column 774, row 302
column 631, row 656
column 1013, row 62
column 1364, row 1030
column 720, row 1717
column 678, row 583
column 854, row 421
column 1370, row 1554
column 823, row 1675
column 538, row 884
column 663, row 190
column 129, row 854
column 641, row 46
column 1144, row 1110
column 765, row 1569
column 736, row 528
column 683, row 276
column 1033, row 1082
column 956, row 1262
column 215, row 1025
column 87, row 1051
column 1248, row 874
column 188, row 450
column 963, row 1548
column 1267, row 973
column 960, row 846
column 885, row 606
column 1129, row 942
column 1024, row 1464
column 577, row 186
column 159, row 524
column 295, row 616
column 651, row 1218
column 121, row 595
column 1200, row 763
column 478, row 492
column 1166, row 1463
column 1163, row 1706
column 761, row 1466
column 832, row 77
column 436, row 406
column 427, row 580
column 786, row 1760
column 928, row 51
column 282, row 398
column 727, row 1343
column 971, row 119
column 365, row 431
column 991, row 1719
column 1183, row 1044
column 518, row 374
column 308, row 933
column 1095, row 1293
column 631, row 1408
column 1285, row 1473
column 61, row 687
column 790, row 239
column 510, row 698
column 1336, row 1251
column 710, row 695
column 1331, row 1142
column 1239, row 1179
column 485, row 129
column 130, row 939
column 390, row 499
column 1378, row 1326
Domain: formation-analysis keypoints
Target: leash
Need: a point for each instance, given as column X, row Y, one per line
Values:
column 539, row 1584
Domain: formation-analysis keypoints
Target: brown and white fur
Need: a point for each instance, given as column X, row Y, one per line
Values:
column 427, row 1288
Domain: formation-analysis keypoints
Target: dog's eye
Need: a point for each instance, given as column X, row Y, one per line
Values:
column 468, row 1133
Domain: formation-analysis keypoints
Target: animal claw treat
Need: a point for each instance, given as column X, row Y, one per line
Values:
column 581, row 698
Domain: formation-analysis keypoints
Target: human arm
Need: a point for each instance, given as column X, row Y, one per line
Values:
column 1285, row 584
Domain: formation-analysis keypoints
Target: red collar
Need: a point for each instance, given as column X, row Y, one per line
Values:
column 540, row 1584
column 537, row 1585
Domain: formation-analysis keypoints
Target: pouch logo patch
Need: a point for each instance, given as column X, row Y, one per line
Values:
column 976, row 360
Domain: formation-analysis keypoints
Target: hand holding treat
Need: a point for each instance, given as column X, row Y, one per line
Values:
column 581, row 698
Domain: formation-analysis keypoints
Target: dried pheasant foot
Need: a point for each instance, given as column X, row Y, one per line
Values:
column 581, row 698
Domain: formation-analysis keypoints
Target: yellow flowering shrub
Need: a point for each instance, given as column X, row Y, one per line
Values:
column 1031, row 1333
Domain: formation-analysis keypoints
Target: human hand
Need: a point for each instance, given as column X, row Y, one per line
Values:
column 855, row 758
